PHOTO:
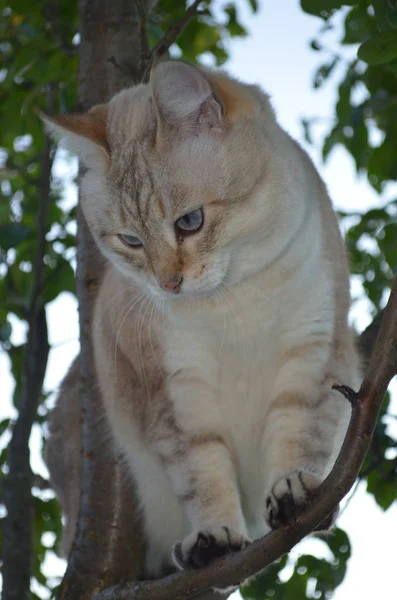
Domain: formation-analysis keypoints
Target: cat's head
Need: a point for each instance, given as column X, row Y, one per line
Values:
column 173, row 170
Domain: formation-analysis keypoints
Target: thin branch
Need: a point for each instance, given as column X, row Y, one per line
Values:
column 141, row 8
column 176, row 29
column 37, row 481
column 235, row 568
column 124, row 69
column 41, row 483
column 171, row 36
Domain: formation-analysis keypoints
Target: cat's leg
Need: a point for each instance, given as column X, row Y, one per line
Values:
column 304, row 428
column 197, row 456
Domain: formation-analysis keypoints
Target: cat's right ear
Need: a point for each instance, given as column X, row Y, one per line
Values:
column 83, row 134
column 184, row 99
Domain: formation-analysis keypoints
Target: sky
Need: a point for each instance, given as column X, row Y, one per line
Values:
column 277, row 56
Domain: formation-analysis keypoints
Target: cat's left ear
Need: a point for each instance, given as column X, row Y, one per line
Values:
column 184, row 99
column 83, row 134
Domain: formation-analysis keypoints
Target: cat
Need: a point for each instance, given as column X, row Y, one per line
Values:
column 221, row 322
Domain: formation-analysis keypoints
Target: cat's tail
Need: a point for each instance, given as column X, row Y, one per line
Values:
column 365, row 343
column 63, row 453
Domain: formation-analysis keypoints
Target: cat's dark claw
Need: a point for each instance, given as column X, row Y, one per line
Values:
column 201, row 548
column 284, row 511
column 289, row 496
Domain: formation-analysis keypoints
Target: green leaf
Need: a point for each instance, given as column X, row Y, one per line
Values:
column 306, row 124
column 339, row 543
column 61, row 279
column 383, row 487
column 13, row 234
column 359, row 25
column 382, row 8
column 295, row 588
column 358, row 143
column 5, row 331
column 234, row 28
column 380, row 49
column 392, row 18
column 387, row 241
column 382, row 164
column 254, row 5
column 324, row 8
column 4, row 425
column 267, row 580
column 333, row 138
column 324, row 72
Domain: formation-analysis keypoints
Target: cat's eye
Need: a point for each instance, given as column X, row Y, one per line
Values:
column 191, row 222
column 130, row 240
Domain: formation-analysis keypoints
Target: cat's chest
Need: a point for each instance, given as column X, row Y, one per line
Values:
column 235, row 349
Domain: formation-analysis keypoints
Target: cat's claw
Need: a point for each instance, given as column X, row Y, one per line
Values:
column 200, row 548
column 289, row 495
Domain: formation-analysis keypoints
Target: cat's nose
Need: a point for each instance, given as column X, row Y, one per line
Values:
column 172, row 284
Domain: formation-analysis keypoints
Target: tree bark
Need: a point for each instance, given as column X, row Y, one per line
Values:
column 108, row 546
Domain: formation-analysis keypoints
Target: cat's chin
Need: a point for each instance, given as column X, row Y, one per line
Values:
column 201, row 294
column 198, row 294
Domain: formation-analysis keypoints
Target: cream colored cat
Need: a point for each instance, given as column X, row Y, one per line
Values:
column 221, row 323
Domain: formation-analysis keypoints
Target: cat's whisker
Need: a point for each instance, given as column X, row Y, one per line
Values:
column 99, row 319
column 129, row 308
column 232, row 321
column 219, row 297
column 141, row 322
column 153, row 311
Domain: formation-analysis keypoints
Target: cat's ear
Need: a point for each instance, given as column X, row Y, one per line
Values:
column 184, row 98
column 83, row 134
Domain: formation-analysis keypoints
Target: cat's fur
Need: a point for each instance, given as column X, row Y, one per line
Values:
column 219, row 395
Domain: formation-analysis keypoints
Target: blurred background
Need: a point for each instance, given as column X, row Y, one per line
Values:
column 341, row 108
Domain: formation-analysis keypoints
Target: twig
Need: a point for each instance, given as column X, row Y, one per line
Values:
column 125, row 69
column 235, row 568
column 41, row 483
column 171, row 36
column 141, row 8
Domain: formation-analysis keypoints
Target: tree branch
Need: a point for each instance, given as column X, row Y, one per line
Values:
column 235, row 568
column 170, row 37
column 18, row 543
column 142, row 8
column 108, row 544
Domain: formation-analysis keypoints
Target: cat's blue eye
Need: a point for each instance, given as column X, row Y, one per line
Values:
column 190, row 222
column 130, row 240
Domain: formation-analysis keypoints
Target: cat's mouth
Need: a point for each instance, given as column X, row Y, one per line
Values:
column 187, row 286
column 188, row 290
column 184, row 293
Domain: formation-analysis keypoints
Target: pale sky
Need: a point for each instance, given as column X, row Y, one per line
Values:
column 277, row 56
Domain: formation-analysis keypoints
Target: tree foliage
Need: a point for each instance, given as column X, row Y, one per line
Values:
column 38, row 69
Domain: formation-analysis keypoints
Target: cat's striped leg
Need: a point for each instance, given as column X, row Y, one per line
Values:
column 298, row 445
column 199, row 462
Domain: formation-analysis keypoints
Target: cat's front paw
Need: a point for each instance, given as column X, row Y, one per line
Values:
column 288, row 496
column 200, row 548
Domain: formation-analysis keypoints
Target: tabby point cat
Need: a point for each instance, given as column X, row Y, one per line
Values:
column 221, row 322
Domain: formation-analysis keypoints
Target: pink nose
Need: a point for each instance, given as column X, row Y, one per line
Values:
column 172, row 284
